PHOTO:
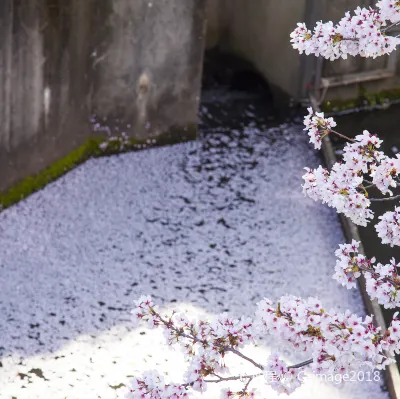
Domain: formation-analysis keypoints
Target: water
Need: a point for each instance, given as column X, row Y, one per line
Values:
column 208, row 226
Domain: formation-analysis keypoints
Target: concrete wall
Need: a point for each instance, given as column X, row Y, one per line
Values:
column 334, row 11
column 43, row 113
column 64, row 61
column 148, row 62
column 258, row 31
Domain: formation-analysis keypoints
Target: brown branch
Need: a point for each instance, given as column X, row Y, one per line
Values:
column 369, row 186
column 236, row 352
column 384, row 30
column 386, row 279
column 385, row 199
column 247, row 385
column 342, row 135
column 305, row 363
column 234, row 378
column 224, row 348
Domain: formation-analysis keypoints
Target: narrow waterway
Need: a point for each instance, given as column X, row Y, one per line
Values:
column 207, row 226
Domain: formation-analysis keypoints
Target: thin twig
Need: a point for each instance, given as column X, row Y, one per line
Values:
column 342, row 135
column 236, row 352
column 234, row 378
column 385, row 279
column 384, row 30
column 369, row 186
column 226, row 349
column 305, row 363
column 385, row 199
column 246, row 386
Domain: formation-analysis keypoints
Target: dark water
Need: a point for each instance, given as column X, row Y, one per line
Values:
column 386, row 124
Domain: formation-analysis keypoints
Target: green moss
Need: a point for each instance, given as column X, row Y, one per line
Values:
column 93, row 147
column 338, row 105
column 364, row 99
column 34, row 183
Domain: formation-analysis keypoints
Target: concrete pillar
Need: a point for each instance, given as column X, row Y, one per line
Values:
column 147, row 63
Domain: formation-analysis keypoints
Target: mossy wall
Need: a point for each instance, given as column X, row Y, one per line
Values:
column 92, row 148
column 364, row 99
column 65, row 62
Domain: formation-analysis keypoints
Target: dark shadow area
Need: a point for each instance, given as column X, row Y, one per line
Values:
column 234, row 82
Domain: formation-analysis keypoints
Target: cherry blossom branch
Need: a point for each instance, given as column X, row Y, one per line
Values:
column 364, row 33
column 237, row 353
column 223, row 348
column 386, row 29
column 302, row 364
column 343, row 136
column 303, row 323
column 235, row 378
column 395, row 281
column 247, row 385
column 386, row 198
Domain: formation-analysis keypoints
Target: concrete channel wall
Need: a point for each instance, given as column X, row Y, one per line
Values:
column 260, row 34
column 65, row 62
column 258, row 31
column 137, row 65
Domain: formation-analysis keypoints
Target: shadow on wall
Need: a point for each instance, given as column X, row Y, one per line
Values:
column 240, row 80
column 226, row 70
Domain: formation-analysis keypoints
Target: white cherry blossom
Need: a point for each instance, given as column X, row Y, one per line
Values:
column 388, row 228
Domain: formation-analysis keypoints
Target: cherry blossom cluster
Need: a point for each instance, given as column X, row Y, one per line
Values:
column 388, row 228
column 392, row 336
column 204, row 343
column 151, row 385
column 281, row 378
column 361, row 34
column 317, row 126
column 389, row 10
column 382, row 281
column 361, row 153
column 385, row 174
column 350, row 264
column 336, row 342
column 343, row 187
column 339, row 189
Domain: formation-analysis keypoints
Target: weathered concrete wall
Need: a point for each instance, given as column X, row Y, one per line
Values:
column 258, row 31
column 260, row 34
column 148, row 63
column 334, row 10
column 43, row 113
column 62, row 61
